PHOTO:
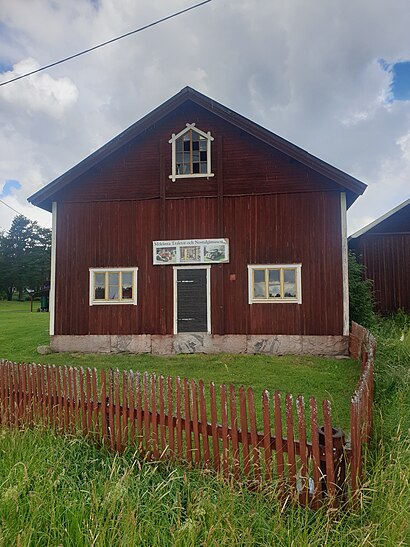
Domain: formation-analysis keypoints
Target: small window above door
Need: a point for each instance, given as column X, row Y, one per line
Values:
column 191, row 153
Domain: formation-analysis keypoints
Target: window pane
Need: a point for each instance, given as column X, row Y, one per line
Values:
column 187, row 169
column 195, row 167
column 113, row 282
column 195, row 136
column 179, row 157
column 259, row 284
column 186, row 145
column 127, row 285
column 99, row 286
column 274, row 284
column 289, row 283
column 179, row 144
column 195, row 155
column 203, row 155
column 203, row 143
column 203, row 167
column 179, row 169
column 187, row 136
column 195, row 145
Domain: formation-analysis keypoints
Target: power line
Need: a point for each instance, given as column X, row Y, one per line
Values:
column 106, row 43
column 10, row 207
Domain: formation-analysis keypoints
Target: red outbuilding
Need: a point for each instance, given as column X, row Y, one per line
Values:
column 197, row 230
column 383, row 247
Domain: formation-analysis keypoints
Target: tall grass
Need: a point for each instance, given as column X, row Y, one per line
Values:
column 64, row 491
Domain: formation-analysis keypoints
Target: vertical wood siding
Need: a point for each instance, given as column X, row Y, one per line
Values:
column 387, row 261
column 271, row 229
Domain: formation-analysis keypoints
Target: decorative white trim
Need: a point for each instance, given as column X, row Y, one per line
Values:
column 380, row 219
column 93, row 302
column 345, row 270
column 52, row 295
column 297, row 300
column 173, row 140
column 208, row 294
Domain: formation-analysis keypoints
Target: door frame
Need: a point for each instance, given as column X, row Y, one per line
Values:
column 206, row 267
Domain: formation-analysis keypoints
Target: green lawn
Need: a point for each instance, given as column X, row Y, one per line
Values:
column 58, row 490
column 21, row 332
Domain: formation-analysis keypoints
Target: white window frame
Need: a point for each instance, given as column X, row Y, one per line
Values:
column 265, row 300
column 173, row 140
column 98, row 302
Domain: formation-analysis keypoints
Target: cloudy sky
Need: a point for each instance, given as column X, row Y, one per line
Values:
column 331, row 76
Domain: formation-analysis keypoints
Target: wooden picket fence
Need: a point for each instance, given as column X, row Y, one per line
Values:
column 167, row 418
column 362, row 346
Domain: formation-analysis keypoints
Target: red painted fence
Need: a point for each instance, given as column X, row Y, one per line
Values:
column 257, row 440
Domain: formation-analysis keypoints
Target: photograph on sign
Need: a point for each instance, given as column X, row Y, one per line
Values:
column 215, row 253
column 166, row 255
column 190, row 254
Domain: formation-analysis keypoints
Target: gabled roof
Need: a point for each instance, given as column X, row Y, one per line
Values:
column 380, row 220
column 43, row 197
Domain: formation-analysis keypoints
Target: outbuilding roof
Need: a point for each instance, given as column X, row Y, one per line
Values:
column 354, row 187
column 381, row 219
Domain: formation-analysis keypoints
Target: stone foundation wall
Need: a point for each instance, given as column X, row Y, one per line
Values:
column 202, row 343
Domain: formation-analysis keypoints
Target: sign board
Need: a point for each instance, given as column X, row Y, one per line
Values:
column 191, row 251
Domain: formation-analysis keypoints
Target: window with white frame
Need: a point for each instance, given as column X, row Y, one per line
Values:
column 191, row 153
column 113, row 286
column 275, row 283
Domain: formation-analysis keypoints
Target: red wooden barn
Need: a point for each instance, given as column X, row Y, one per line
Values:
column 198, row 230
column 384, row 249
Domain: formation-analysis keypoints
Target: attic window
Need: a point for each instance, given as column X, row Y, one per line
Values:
column 191, row 153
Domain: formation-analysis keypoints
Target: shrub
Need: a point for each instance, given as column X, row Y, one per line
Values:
column 361, row 297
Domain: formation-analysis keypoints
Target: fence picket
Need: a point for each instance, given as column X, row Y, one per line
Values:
column 267, row 434
column 300, row 410
column 124, row 408
column 187, row 412
column 195, row 423
column 214, row 427
column 104, row 422
column 234, row 431
column 146, row 414
column 83, row 413
column 111, row 403
column 94, row 404
column 330, row 470
column 118, row 423
column 254, row 435
column 131, row 406
column 225, row 438
column 170, row 419
column 314, row 431
column 204, row 422
column 138, row 389
column 244, row 430
column 178, row 416
column 162, row 428
column 154, row 417
column 290, row 435
column 280, row 463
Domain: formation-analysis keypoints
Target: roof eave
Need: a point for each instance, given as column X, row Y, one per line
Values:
column 43, row 197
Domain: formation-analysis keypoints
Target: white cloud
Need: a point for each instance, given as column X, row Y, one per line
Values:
column 307, row 71
column 39, row 92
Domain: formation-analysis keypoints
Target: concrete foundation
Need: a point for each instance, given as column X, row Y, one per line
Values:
column 202, row 343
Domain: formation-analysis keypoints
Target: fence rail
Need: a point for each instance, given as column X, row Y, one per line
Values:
column 258, row 440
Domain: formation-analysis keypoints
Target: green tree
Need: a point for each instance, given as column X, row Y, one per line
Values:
column 24, row 257
column 361, row 299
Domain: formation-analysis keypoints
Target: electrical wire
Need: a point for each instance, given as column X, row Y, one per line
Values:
column 10, row 207
column 106, row 43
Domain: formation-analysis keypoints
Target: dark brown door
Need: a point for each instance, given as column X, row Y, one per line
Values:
column 192, row 300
